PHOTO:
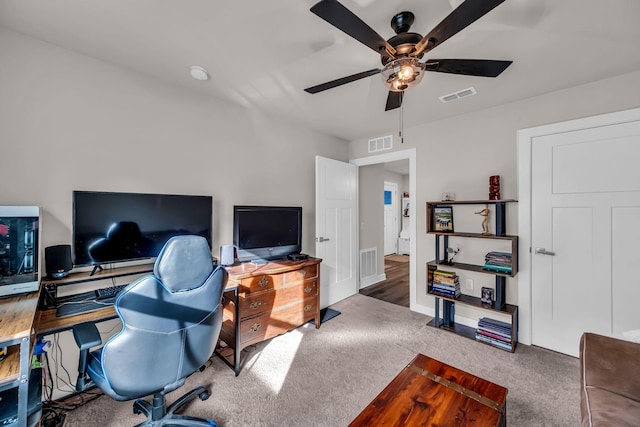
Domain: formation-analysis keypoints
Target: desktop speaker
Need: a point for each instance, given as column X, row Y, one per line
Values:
column 227, row 255
column 57, row 260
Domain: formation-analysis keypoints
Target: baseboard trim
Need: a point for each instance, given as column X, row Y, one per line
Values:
column 372, row 280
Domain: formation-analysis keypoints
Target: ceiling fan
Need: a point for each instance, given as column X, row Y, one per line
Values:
column 401, row 54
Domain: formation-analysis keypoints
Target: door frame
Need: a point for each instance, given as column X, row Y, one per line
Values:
column 409, row 154
column 525, row 141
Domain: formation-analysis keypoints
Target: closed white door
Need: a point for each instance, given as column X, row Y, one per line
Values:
column 390, row 217
column 336, row 220
column 585, row 229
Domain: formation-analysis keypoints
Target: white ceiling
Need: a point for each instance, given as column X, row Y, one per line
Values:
column 262, row 54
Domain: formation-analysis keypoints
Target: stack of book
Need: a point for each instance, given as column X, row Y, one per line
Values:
column 498, row 261
column 446, row 283
column 494, row 332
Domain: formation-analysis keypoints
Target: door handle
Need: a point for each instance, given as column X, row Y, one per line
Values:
column 322, row 239
column 543, row 251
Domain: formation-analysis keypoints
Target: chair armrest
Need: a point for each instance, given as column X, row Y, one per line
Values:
column 86, row 336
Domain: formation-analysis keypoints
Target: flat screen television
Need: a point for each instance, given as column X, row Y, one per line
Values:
column 266, row 232
column 19, row 251
column 116, row 227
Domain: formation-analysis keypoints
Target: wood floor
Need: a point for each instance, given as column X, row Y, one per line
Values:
column 396, row 288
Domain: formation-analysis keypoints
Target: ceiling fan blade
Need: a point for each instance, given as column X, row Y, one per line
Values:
column 343, row 19
column 394, row 100
column 341, row 81
column 463, row 16
column 469, row 67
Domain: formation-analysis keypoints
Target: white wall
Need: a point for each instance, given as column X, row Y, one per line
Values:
column 70, row 122
column 459, row 154
column 370, row 208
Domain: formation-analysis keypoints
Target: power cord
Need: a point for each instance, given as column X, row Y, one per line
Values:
column 51, row 417
column 54, row 412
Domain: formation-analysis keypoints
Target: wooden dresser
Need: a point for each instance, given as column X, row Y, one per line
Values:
column 263, row 301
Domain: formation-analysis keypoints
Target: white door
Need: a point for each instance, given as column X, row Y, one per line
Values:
column 585, row 229
column 336, row 221
column 390, row 217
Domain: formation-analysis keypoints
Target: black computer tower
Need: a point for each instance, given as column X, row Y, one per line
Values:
column 9, row 402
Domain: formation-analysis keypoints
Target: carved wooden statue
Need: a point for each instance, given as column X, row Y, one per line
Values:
column 485, row 219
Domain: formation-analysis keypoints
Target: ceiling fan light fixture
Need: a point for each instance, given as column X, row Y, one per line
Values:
column 402, row 74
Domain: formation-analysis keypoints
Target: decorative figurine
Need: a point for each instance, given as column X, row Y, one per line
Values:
column 485, row 220
column 494, row 187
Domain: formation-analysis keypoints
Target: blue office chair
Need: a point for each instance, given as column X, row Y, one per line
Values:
column 171, row 321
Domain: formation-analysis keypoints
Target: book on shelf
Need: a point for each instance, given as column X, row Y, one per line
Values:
column 498, row 268
column 494, row 322
column 494, row 335
column 498, row 261
column 445, row 283
column 494, row 329
column 447, row 293
column 494, row 342
column 449, row 280
column 445, row 275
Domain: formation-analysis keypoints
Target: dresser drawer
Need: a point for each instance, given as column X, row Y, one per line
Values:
column 296, row 314
column 289, row 295
column 254, row 329
column 275, row 299
column 256, row 303
column 271, row 324
column 261, row 283
column 299, row 276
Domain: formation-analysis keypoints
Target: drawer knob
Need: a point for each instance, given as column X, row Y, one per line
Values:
column 307, row 308
column 255, row 305
column 255, row 327
column 303, row 272
column 264, row 281
column 308, row 289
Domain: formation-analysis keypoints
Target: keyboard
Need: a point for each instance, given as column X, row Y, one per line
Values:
column 81, row 303
column 110, row 292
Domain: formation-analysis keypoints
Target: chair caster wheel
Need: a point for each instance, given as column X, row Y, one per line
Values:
column 204, row 395
column 136, row 411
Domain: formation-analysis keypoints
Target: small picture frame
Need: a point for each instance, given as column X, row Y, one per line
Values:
column 486, row 296
column 443, row 218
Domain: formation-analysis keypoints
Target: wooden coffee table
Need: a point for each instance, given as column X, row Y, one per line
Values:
column 428, row 392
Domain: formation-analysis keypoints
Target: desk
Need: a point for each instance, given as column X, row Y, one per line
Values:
column 18, row 317
column 50, row 324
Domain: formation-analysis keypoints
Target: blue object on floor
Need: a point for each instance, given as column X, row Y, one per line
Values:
column 327, row 314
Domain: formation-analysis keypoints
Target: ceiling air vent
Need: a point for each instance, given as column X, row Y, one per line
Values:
column 459, row 94
column 380, row 144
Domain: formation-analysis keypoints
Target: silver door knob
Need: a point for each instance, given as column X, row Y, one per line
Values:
column 322, row 239
column 543, row 251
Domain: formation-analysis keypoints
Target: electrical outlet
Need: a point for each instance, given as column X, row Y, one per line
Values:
column 447, row 197
column 468, row 283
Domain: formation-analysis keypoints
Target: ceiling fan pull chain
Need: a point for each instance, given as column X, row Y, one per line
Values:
column 401, row 125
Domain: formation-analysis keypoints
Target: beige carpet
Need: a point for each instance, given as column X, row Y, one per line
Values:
column 398, row 258
column 325, row 377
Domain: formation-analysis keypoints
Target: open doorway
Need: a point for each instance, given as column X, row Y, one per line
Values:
column 385, row 231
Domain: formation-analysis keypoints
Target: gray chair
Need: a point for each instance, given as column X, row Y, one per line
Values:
column 171, row 321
